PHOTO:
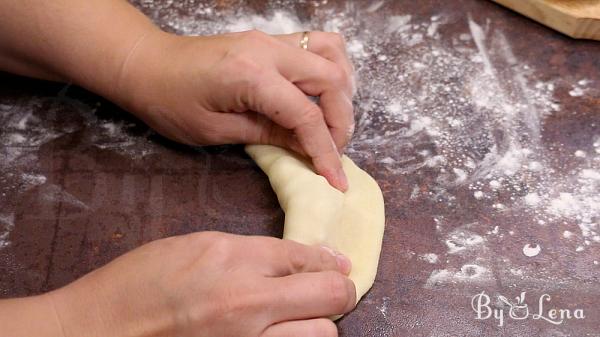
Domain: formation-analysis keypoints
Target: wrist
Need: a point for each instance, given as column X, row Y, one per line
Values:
column 91, row 308
column 155, row 80
column 29, row 316
column 76, row 315
column 143, row 73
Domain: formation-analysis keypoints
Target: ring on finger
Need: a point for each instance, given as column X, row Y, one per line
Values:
column 304, row 40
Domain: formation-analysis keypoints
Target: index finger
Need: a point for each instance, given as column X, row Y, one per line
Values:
column 327, row 75
column 311, row 295
column 279, row 257
column 286, row 105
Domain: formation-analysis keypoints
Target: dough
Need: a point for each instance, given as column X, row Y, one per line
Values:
column 318, row 214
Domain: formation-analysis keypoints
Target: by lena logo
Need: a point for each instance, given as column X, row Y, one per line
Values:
column 519, row 310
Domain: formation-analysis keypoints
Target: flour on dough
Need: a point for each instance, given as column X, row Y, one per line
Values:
column 318, row 214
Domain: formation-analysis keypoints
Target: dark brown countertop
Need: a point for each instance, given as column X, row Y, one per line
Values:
column 481, row 127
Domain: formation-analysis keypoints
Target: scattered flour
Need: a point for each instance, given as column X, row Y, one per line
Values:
column 29, row 125
column 430, row 257
column 399, row 24
column 464, row 108
column 279, row 23
column 580, row 89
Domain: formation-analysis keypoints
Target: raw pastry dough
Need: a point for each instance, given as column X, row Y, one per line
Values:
column 316, row 213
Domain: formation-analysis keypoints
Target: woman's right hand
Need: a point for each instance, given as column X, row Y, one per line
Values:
column 210, row 284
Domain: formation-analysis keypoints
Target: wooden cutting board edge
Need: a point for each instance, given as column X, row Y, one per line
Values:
column 576, row 22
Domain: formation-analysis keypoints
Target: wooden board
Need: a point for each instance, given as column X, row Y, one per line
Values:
column 577, row 18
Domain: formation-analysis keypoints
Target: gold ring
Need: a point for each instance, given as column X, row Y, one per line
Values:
column 304, row 41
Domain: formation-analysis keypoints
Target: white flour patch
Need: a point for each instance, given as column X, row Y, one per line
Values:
column 430, row 258
column 7, row 223
column 461, row 240
column 33, row 179
column 375, row 6
column 279, row 23
column 383, row 308
column 399, row 23
column 468, row 273
column 54, row 193
column 580, row 89
column 479, row 36
column 532, row 199
column 494, row 231
column 31, row 124
column 531, row 250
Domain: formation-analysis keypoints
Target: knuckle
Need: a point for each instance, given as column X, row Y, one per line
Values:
column 208, row 236
column 296, row 258
column 339, row 77
column 220, row 246
column 310, row 114
column 230, row 303
column 337, row 39
column 244, row 75
column 341, row 137
column 235, row 300
column 338, row 291
column 204, row 138
column 241, row 65
column 256, row 36
column 209, row 132
column 201, row 238
column 267, row 134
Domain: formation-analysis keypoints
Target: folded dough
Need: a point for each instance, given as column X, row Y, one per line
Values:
column 318, row 214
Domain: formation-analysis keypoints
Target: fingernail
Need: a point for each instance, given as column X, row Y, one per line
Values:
column 330, row 251
column 343, row 263
column 351, row 130
column 342, row 180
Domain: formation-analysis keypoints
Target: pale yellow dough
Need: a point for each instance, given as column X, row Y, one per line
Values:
column 318, row 214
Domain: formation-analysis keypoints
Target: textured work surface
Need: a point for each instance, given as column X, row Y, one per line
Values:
column 481, row 127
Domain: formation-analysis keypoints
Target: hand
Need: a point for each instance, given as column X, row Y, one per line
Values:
column 234, row 88
column 210, row 284
column 245, row 88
